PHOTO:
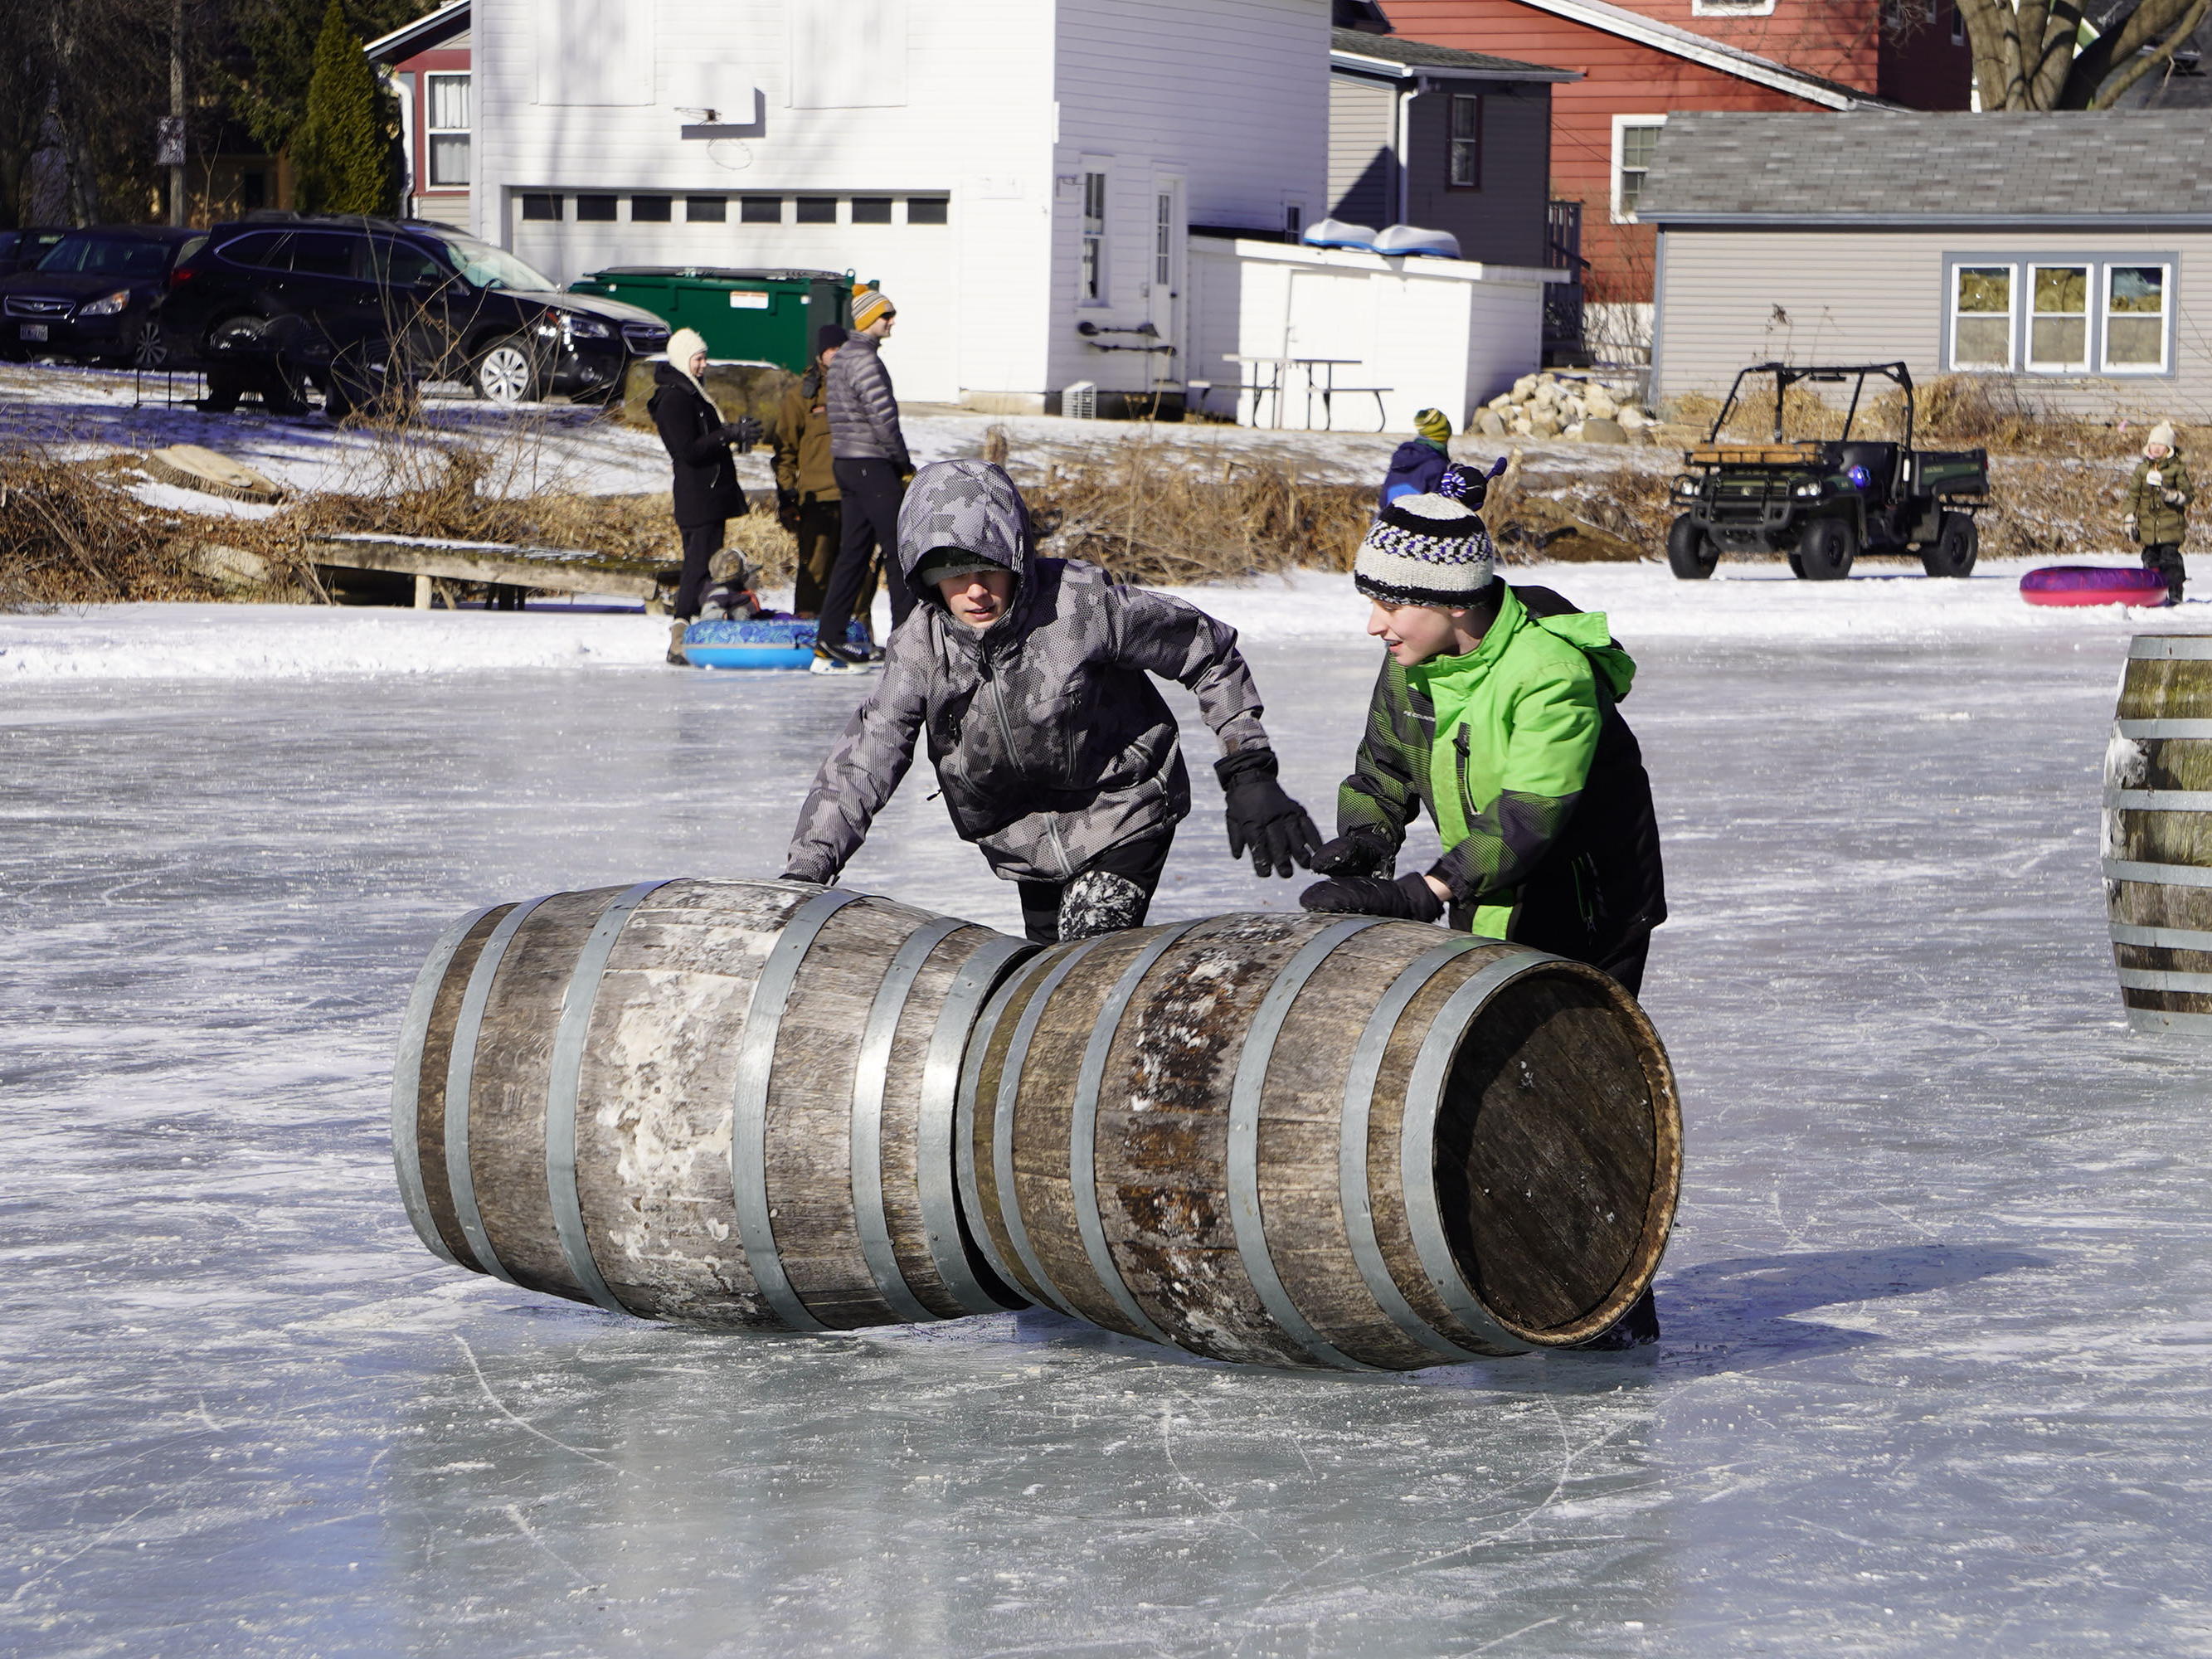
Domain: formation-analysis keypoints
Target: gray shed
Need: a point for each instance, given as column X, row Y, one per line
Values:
column 2068, row 254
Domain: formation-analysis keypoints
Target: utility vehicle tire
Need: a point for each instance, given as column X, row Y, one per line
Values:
column 1691, row 554
column 1797, row 567
column 1954, row 551
column 1827, row 549
column 506, row 373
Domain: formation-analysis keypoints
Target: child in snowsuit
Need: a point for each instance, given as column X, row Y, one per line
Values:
column 1028, row 678
column 2158, row 509
column 1495, row 709
column 1417, row 466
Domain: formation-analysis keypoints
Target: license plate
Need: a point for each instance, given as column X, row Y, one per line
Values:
column 32, row 332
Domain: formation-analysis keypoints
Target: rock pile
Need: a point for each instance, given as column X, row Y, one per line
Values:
column 1547, row 406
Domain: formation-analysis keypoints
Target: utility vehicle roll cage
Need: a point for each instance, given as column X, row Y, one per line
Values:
column 1789, row 374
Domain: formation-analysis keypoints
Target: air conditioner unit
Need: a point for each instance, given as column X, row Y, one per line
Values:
column 1079, row 402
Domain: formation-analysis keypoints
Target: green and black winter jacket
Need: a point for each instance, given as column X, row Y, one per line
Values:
column 1534, row 781
column 2157, row 519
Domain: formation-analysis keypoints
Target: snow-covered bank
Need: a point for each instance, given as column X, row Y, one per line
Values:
column 1752, row 603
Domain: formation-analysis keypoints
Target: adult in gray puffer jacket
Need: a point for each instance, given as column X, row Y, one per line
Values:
column 867, row 455
column 1057, row 754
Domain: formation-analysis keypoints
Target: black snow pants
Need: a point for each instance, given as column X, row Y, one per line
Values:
column 870, row 493
column 701, row 543
column 2165, row 558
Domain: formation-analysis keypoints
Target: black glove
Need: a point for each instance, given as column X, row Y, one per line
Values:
column 787, row 509
column 1409, row 898
column 1261, row 817
column 743, row 433
column 1359, row 854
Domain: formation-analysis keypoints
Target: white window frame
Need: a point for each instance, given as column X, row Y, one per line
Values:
column 1621, row 123
column 1731, row 8
column 431, row 134
column 2089, row 329
column 1951, row 314
column 1092, row 272
column 2103, row 316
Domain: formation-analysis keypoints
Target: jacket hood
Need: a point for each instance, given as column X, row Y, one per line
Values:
column 972, row 506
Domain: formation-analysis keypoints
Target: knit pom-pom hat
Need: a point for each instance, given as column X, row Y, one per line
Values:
column 868, row 304
column 1425, row 550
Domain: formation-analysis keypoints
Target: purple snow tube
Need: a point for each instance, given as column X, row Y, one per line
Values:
column 2093, row 584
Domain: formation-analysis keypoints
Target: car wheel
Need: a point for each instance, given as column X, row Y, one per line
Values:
column 148, row 349
column 504, row 374
column 1954, row 549
column 1827, row 549
column 1691, row 554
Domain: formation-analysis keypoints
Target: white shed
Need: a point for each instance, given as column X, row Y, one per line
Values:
column 1008, row 169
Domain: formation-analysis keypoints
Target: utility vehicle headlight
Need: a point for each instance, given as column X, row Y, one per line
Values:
column 1807, row 490
column 107, row 304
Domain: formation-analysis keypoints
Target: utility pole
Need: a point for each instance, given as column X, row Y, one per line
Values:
column 173, row 135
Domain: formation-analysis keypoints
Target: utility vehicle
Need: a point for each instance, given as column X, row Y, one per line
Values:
column 1824, row 501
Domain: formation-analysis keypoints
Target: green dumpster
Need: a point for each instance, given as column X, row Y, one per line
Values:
column 744, row 316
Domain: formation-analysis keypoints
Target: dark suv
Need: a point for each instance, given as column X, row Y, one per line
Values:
column 361, row 307
column 21, row 249
column 92, row 295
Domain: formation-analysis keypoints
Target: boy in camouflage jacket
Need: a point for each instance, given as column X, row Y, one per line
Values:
column 2157, row 500
column 1030, row 681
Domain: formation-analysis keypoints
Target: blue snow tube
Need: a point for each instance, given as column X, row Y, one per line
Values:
column 768, row 642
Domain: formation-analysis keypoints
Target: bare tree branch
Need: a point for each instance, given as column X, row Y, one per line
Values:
column 2162, row 53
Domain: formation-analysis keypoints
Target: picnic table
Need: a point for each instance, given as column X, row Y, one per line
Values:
column 1271, row 379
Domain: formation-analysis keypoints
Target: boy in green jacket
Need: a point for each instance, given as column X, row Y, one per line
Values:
column 1497, row 710
column 2158, row 509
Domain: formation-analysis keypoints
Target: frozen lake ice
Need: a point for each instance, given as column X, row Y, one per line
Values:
column 1938, row 1312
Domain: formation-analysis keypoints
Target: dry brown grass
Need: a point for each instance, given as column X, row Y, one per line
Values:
column 69, row 535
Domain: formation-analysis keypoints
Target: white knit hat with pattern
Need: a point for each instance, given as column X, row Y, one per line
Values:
column 1425, row 550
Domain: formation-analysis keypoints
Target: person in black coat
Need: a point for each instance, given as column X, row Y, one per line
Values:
column 698, row 441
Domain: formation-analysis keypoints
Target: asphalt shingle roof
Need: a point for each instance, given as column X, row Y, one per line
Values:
column 1877, row 167
column 1418, row 54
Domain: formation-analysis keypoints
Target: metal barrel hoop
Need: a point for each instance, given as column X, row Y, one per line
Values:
column 1082, row 1133
column 1424, row 1089
column 978, row 977
column 2164, row 726
column 407, row 1082
column 460, row 1078
column 2171, row 648
column 563, row 1084
column 2168, row 938
column 755, row 1068
column 1002, row 1132
column 871, row 1069
column 1353, row 1193
column 1246, row 1220
column 2158, row 875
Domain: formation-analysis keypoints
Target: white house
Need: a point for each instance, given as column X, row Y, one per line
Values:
column 1020, row 176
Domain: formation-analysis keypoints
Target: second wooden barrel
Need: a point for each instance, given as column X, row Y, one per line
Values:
column 2158, row 834
column 1309, row 1140
column 724, row 1100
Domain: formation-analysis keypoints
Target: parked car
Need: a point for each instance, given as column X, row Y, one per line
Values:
column 1824, row 502
column 92, row 295
column 357, row 306
column 21, row 249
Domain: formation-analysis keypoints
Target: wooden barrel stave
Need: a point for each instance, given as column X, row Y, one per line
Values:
column 1220, row 1156
column 2158, row 834
column 612, row 1022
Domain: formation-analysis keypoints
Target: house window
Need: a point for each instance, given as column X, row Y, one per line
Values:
column 651, row 209
column 600, row 208
column 536, row 205
column 928, row 209
column 446, row 130
column 1164, row 238
column 761, row 210
column 707, row 209
column 871, row 210
column 817, row 209
column 1465, row 141
column 2135, row 318
column 1094, row 238
column 1958, row 25
column 1635, row 137
column 2058, row 324
column 1981, row 317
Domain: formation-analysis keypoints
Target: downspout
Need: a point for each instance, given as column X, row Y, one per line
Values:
column 1404, row 127
column 1658, row 318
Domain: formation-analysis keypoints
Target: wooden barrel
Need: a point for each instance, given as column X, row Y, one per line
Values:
column 574, row 1073
column 1309, row 1140
column 2158, row 834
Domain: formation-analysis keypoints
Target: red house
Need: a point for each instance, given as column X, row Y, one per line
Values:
column 428, row 62
column 1641, row 59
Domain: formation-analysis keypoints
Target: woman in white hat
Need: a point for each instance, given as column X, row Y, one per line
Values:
column 698, row 441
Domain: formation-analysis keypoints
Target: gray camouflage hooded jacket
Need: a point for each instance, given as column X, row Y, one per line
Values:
column 1050, row 742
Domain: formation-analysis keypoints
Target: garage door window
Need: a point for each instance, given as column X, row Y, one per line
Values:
column 1981, row 317
column 2135, row 318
